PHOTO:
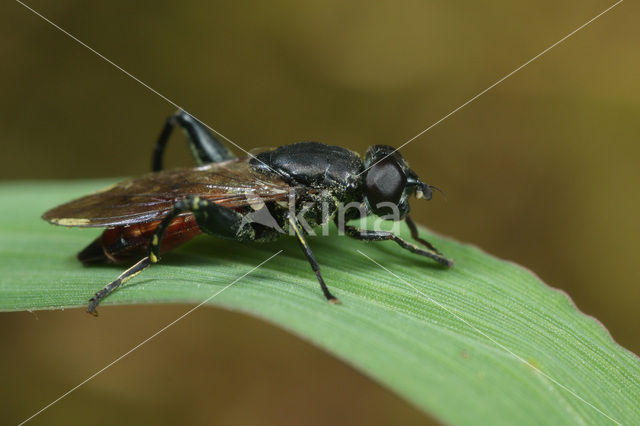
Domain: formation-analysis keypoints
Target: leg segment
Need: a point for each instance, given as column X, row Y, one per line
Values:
column 205, row 147
column 312, row 260
column 211, row 218
column 365, row 235
column 124, row 244
column 416, row 236
column 123, row 278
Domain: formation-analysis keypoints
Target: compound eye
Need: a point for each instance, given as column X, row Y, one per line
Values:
column 385, row 182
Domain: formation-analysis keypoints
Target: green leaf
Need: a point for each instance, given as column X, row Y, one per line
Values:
column 484, row 343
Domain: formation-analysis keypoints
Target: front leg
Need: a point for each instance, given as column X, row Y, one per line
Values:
column 312, row 260
column 366, row 235
column 416, row 236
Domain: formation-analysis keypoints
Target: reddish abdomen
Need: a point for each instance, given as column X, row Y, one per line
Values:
column 130, row 243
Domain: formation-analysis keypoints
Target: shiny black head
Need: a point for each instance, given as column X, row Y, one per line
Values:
column 388, row 183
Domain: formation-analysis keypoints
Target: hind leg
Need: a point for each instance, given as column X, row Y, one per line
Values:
column 205, row 147
column 212, row 219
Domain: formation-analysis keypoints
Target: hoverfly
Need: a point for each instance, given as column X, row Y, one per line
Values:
column 150, row 215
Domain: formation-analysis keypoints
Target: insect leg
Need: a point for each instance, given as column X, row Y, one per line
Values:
column 123, row 278
column 211, row 218
column 205, row 147
column 366, row 235
column 153, row 257
column 416, row 236
column 312, row 260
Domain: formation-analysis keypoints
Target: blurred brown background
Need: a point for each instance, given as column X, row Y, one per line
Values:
column 542, row 170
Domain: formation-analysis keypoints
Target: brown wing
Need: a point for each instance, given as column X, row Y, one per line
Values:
column 148, row 198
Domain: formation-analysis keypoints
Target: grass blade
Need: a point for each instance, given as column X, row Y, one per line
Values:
column 484, row 343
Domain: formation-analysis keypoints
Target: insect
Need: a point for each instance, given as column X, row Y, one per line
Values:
column 260, row 197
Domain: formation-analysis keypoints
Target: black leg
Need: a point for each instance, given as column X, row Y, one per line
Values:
column 212, row 219
column 205, row 147
column 312, row 260
column 363, row 234
column 123, row 278
column 416, row 236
